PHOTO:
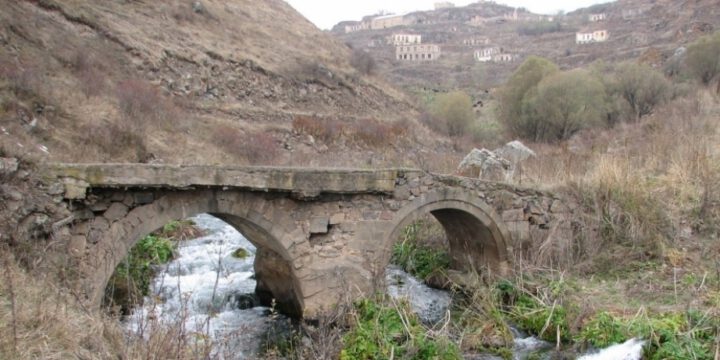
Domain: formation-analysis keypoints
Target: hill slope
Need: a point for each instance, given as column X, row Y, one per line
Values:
column 652, row 30
column 185, row 82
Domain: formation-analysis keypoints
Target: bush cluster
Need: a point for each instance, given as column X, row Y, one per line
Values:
column 258, row 148
column 365, row 131
column 542, row 103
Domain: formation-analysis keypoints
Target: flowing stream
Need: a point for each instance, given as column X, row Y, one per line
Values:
column 208, row 292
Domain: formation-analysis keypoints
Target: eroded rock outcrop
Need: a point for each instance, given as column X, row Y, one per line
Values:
column 500, row 164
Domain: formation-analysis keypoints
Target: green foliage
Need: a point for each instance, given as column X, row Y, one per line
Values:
column 604, row 330
column 131, row 280
column 418, row 259
column 382, row 332
column 455, row 112
column 641, row 87
column 562, row 104
column 669, row 336
column 703, row 58
column 537, row 315
column 541, row 319
column 522, row 82
column 240, row 253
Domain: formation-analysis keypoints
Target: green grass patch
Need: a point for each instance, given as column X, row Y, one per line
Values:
column 689, row 335
column 385, row 332
column 417, row 258
column 130, row 282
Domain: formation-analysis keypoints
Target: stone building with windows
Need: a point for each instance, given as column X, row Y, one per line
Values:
column 404, row 39
column 493, row 54
column 597, row 17
column 591, row 36
column 486, row 54
column 387, row 21
column 357, row 26
column 421, row 52
column 475, row 41
column 444, row 5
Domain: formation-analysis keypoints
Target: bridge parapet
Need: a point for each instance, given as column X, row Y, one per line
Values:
column 79, row 177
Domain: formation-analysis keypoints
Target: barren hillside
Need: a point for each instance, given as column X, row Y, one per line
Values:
column 183, row 82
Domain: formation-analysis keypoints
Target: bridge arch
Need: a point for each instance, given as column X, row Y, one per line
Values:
column 477, row 236
column 271, row 231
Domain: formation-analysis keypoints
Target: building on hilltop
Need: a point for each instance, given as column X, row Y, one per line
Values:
column 588, row 36
column 486, row 54
column 493, row 54
column 387, row 21
column 498, row 58
column 357, row 26
column 475, row 41
column 597, row 17
column 404, row 39
column 444, row 5
column 423, row 52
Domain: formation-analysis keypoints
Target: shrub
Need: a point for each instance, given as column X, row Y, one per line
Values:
column 454, row 110
column 141, row 102
column 363, row 62
column 384, row 332
column 703, row 58
column 522, row 82
column 113, row 138
column 256, row 147
column 561, row 105
column 415, row 256
column 130, row 282
column 641, row 87
column 326, row 130
column 371, row 132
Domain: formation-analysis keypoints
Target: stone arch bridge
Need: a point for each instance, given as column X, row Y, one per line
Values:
column 321, row 234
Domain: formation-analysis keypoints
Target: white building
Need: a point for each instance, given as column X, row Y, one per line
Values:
column 387, row 21
column 591, row 36
column 405, row 39
column 423, row 52
column 597, row 17
column 486, row 54
column 444, row 5
column 357, row 27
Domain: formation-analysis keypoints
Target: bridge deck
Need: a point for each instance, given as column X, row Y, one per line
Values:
column 299, row 180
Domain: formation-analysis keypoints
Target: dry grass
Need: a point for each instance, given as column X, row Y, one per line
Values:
column 642, row 184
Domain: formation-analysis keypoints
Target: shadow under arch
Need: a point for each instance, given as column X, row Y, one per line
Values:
column 476, row 234
column 247, row 213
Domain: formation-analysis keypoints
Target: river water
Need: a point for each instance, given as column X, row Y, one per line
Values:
column 208, row 292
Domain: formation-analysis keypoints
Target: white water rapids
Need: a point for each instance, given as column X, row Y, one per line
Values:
column 201, row 288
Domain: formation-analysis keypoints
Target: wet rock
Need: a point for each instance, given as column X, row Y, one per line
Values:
column 245, row 301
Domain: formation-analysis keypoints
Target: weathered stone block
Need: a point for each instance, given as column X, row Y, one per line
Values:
column 75, row 189
column 401, row 193
column 143, row 198
column 100, row 205
column 319, row 225
column 77, row 245
column 116, row 211
column 513, row 215
column 337, row 218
